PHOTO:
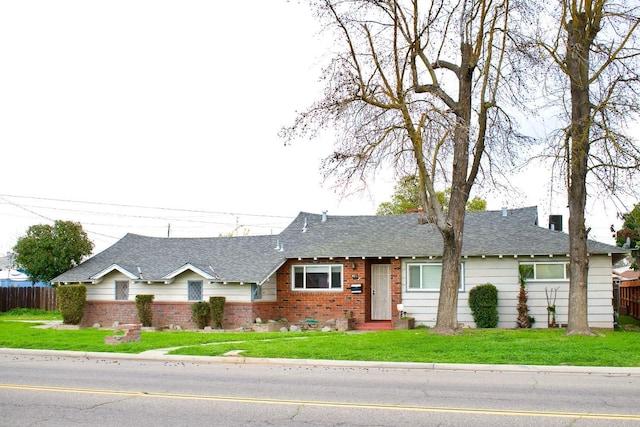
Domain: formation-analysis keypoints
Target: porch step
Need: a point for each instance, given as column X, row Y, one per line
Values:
column 375, row 325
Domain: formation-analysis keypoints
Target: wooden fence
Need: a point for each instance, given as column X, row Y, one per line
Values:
column 28, row 297
column 630, row 298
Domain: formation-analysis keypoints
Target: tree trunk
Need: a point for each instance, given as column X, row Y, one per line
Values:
column 447, row 317
column 452, row 230
column 578, row 67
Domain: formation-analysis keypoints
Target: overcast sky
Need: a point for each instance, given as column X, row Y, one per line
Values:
column 131, row 105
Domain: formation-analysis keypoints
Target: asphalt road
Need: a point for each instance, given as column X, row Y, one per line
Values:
column 40, row 388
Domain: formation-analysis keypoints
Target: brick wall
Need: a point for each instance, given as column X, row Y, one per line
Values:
column 173, row 313
column 295, row 306
column 108, row 312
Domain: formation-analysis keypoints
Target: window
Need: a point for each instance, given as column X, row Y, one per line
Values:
column 426, row 276
column 256, row 292
column 547, row 270
column 122, row 290
column 195, row 290
column 314, row 277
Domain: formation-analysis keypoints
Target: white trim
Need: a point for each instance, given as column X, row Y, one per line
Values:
column 188, row 266
column 97, row 278
column 328, row 266
column 534, row 271
column 420, row 263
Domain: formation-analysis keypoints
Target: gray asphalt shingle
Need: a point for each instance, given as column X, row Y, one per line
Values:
column 253, row 258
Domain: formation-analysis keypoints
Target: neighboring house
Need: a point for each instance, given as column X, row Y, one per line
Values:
column 626, row 274
column 324, row 267
column 10, row 277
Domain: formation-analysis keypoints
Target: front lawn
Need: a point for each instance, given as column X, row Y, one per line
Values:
column 478, row 346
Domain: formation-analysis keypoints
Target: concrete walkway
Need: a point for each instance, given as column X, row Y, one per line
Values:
column 161, row 355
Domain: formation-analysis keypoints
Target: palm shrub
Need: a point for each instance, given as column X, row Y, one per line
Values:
column 143, row 305
column 200, row 312
column 483, row 301
column 217, row 310
column 523, row 320
column 71, row 300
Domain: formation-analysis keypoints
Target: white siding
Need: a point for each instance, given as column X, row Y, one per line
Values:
column 172, row 292
column 106, row 289
column 270, row 290
column 503, row 274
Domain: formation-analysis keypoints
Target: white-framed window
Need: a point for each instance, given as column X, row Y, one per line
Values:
column 425, row 276
column 550, row 271
column 194, row 290
column 256, row 292
column 122, row 290
column 317, row 277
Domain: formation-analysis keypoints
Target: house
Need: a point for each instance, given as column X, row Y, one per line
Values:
column 324, row 267
column 10, row 277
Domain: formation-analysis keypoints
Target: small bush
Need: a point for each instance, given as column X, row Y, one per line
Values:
column 143, row 304
column 483, row 301
column 200, row 312
column 71, row 300
column 217, row 310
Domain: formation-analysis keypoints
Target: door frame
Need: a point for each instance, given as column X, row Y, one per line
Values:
column 383, row 310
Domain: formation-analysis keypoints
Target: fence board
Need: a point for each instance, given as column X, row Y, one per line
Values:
column 28, row 297
column 630, row 298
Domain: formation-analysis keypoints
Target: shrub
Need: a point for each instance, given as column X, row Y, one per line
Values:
column 217, row 310
column 71, row 299
column 483, row 301
column 200, row 312
column 143, row 304
column 523, row 320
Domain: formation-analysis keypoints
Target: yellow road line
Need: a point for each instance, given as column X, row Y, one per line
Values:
column 477, row 411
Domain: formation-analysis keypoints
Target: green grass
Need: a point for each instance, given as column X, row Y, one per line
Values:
column 30, row 314
column 488, row 346
column 478, row 346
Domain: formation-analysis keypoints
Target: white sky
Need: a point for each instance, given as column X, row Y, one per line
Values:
column 136, row 104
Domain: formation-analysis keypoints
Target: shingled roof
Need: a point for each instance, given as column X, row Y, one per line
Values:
column 253, row 259
column 250, row 259
column 489, row 233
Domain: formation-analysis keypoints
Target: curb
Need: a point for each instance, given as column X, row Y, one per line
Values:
column 160, row 355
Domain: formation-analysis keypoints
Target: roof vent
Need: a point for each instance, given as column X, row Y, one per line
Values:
column 504, row 211
column 304, row 227
column 555, row 222
column 324, row 216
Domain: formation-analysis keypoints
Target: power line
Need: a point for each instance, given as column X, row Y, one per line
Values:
column 25, row 209
column 2, row 196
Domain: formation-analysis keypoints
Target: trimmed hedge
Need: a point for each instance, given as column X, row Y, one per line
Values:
column 217, row 310
column 483, row 301
column 200, row 312
column 143, row 304
column 71, row 300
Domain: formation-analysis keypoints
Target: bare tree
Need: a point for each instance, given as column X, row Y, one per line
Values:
column 594, row 46
column 417, row 87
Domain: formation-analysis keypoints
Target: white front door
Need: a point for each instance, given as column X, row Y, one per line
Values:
column 380, row 292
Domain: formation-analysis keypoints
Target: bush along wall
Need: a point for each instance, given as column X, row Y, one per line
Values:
column 143, row 304
column 483, row 301
column 200, row 312
column 71, row 299
column 217, row 310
